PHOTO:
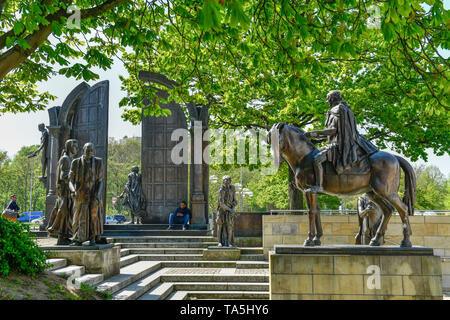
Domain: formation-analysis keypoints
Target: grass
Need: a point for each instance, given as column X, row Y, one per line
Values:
column 45, row 286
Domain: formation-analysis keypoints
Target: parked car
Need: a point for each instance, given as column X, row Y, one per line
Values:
column 30, row 216
column 110, row 220
column 120, row 218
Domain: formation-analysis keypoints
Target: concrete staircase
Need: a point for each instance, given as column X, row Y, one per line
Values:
column 169, row 265
column 78, row 273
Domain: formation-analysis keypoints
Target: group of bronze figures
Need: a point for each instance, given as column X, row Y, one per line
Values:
column 76, row 214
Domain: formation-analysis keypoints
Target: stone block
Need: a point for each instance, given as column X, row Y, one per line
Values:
column 445, row 263
column 327, row 228
column 422, row 285
column 344, row 229
column 291, row 284
column 446, row 282
column 312, row 264
column 296, row 219
column 431, row 265
column 354, row 264
column 389, row 285
column 443, row 229
column 401, row 265
column 285, row 229
column 437, row 242
column 353, row 219
column 342, row 284
column 221, row 254
column 329, row 239
column 267, row 229
column 394, row 229
column 439, row 252
column 297, row 239
column 105, row 259
column 304, row 228
column 416, row 219
column 437, row 219
column 417, row 240
column 335, row 218
column 280, row 264
column 355, row 297
column 269, row 241
column 421, row 229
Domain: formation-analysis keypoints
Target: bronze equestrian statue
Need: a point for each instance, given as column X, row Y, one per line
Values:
column 351, row 166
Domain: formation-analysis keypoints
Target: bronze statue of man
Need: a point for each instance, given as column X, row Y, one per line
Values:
column 134, row 196
column 43, row 147
column 60, row 222
column 226, row 213
column 86, row 175
column 345, row 145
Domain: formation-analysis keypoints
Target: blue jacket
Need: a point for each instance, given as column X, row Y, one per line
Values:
column 12, row 205
column 183, row 211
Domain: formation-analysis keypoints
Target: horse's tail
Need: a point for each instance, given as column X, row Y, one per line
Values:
column 410, row 185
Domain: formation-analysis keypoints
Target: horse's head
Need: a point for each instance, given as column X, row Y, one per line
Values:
column 289, row 142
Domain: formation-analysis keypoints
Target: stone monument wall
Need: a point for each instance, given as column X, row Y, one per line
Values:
column 427, row 231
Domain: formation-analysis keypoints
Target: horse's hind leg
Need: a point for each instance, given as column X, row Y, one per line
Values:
column 403, row 212
column 387, row 212
column 319, row 231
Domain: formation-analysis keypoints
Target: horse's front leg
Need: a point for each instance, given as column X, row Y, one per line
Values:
column 312, row 219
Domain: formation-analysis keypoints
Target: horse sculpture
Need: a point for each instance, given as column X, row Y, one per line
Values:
column 380, row 183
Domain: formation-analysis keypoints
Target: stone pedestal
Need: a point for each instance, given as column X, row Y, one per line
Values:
column 346, row 272
column 99, row 258
column 221, row 253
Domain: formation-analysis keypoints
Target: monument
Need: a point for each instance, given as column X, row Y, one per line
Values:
column 134, row 196
column 226, row 213
column 164, row 182
column 44, row 148
column 83, row 116
column 351, row 166
column 60, row 221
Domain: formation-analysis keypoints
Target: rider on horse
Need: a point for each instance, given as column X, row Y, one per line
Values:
column 345, row 145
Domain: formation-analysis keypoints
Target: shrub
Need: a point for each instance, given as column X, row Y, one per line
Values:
column 18, row 251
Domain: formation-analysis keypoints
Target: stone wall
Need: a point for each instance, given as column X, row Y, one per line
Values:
column 345, row 277
column 428, row 231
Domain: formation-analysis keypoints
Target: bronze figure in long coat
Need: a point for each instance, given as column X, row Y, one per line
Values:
column 86, row 175
column 60, row 222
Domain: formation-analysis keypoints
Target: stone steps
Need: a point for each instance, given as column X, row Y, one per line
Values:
column 160, row 239
column 140, row 233
column 178, row 295
column 139, row 287
column 90, row 279
column 129, row 259
column 168, row 257
column 214, row 278
column 252, row 257
column 166, row 250
column 61, row 269
column 233, row 295
column 129, row 274
column 251, row 250
column 141, row 245
column 221, row 286
column 143, row 227
column 160, row 292
column 68, row 271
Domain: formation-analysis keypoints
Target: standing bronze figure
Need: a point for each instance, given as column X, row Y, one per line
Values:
column 226, row 213
column 377, row 174
column 86, row 175
column 134, row 196
column 43, row 147
column 60, row 222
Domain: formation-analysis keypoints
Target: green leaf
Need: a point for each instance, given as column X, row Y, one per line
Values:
column 210, row 15
column 56, row 27
column 23, row 43
column 18, row 27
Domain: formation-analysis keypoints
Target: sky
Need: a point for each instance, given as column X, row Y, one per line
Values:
column 17, row 130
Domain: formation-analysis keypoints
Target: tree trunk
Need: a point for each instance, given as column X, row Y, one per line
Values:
column 295, row 195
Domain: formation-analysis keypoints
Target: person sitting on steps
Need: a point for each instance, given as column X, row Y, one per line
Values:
column 181, row 215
